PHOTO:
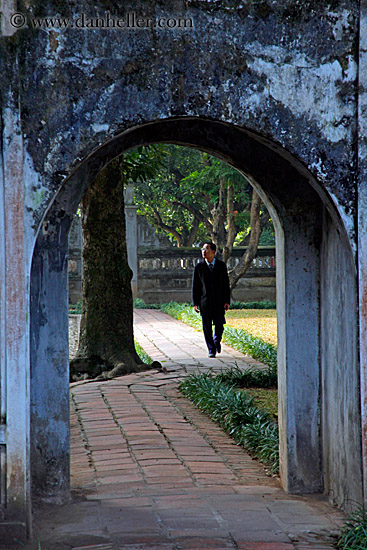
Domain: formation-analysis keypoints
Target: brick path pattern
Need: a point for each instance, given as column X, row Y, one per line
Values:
column 150, row 471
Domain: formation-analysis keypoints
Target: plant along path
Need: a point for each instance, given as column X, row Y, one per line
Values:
column 150, row 471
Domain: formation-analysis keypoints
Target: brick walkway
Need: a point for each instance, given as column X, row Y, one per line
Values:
column 149, row 471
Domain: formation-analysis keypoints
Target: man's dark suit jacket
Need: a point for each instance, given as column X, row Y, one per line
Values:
column 210, row 290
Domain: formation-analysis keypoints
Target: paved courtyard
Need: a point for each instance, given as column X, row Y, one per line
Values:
column 149, row 471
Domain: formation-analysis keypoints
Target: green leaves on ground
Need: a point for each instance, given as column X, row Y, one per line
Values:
column 236, row 413
column 266, row 304
column 143, row 356
column 354, row 532
column 251, row 345
column 250, row 378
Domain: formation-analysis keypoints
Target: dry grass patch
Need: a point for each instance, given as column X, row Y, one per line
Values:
column 261, row 323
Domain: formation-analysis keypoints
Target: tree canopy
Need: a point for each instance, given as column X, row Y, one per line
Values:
column 195, row 196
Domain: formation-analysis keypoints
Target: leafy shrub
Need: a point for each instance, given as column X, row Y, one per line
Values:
column 75, row 308
column 236, row 413
column 143, row 356
column 251, row 345
column 353, row 535
column 266, row 304
column 252, row 377
column 140, row 304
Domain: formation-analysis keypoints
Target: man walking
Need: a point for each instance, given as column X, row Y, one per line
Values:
column 211, row 296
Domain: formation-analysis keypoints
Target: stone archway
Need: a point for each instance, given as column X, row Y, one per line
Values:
column 318, row 362
column 275, row 88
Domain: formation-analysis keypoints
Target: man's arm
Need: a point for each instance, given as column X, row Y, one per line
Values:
column 196, row 288
column 227, row 290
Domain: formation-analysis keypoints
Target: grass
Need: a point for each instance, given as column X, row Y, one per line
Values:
column 248, row 416
column 143, row 356
column 252, row 377
column 237, row 413
column 353, row 535
column 266, row 304
column 140, row 304
column 261, row 323
column 266, row 399
column 239, row 339
column 251, row 345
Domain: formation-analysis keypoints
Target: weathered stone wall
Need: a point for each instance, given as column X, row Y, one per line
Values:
column 75, row 261
column 283, row 69
column 270, row 86
column 341, row 425
column 165, row 275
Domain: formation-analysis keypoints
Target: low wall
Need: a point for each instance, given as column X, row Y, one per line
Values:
column 163, row 273
column 166, row 274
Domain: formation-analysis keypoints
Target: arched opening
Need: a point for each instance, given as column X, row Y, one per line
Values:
column 316, row 281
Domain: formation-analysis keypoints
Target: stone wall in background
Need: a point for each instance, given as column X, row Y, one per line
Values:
column 163, row 273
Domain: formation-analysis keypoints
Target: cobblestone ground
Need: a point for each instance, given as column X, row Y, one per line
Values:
column 149, row 471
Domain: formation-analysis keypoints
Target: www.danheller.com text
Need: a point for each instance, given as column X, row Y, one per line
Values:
column 127, row 21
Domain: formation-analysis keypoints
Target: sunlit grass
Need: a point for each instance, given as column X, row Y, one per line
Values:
column 261, row 323
column 266, row 399
column 143, row 356
column 236, row 412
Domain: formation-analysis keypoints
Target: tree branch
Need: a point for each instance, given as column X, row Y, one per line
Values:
column 251, row 251
column 167, row 228
column 196, row 213
column 231, row 231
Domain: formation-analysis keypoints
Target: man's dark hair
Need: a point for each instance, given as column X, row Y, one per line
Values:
column 213, row 246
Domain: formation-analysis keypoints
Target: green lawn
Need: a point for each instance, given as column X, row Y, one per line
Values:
column 261, row 323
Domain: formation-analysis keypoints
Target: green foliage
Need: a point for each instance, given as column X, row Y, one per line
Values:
column 140, row 304
column 158, row 196
column 266, row 304
column 236, row 413
column 183, row 312
column 143, row 356
column 266, row 399
column 353, row 535
column 252, row 377
column 237, row 338
column 75, row 308
column 142, row 163
column 251, row 345
column 267, row 237
column 184, row 191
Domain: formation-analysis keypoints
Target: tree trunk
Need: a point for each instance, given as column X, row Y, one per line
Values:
column 193, row 232
column 245, row 261
column 106, row 346
column 218, row 214
column 231, row 230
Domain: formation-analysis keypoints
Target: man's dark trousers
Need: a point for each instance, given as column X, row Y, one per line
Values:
column 210, row 292
column 218, row 320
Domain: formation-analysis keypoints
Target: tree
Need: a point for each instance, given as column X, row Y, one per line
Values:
column 106, row 344
column 196, row 196
column 157, row 197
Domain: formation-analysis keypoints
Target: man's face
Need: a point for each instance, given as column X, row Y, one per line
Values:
column 207, row 253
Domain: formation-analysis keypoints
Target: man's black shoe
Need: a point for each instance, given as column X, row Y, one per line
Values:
column 219, row 347
column 211, row 354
